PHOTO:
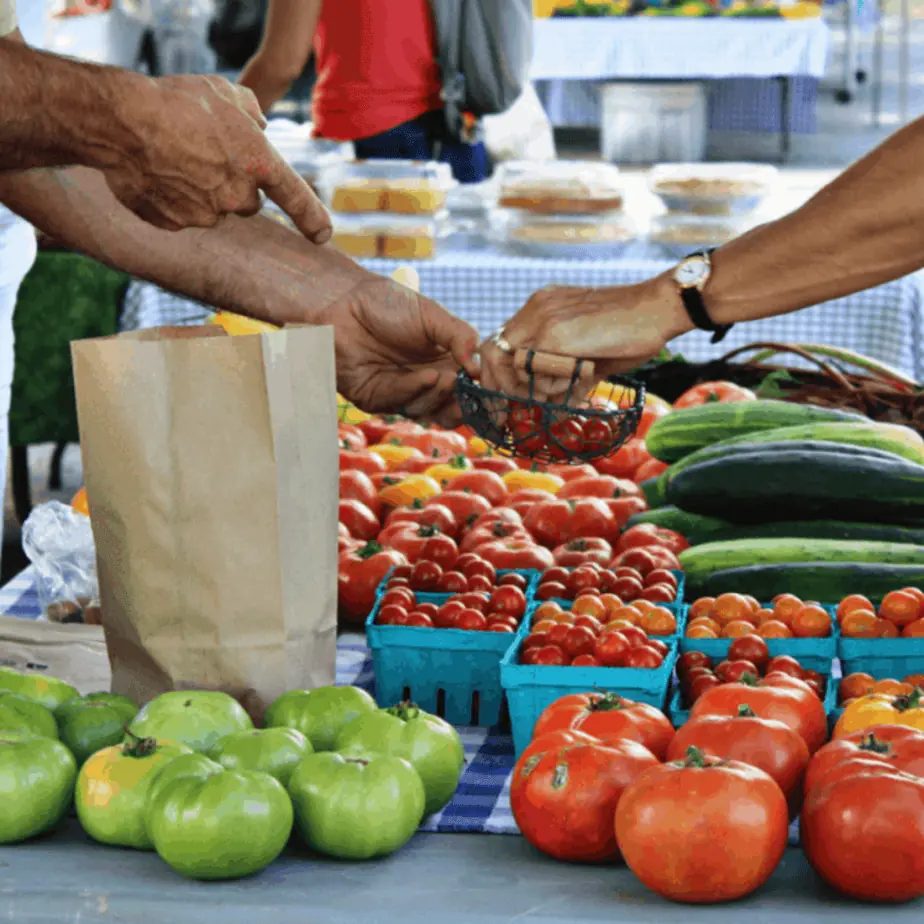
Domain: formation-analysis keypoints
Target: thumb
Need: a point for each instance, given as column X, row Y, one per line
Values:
column 456, row 336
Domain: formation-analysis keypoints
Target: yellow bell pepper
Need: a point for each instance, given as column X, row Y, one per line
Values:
column 882, row 709
column 394, row 454
column 623, row 397
column 444, row 472
column 410, row 489
column 543, row 481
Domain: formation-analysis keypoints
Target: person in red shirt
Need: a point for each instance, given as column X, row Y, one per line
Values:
column 378, row 82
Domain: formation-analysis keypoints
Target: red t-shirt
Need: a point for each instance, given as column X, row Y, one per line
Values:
column 376, row 65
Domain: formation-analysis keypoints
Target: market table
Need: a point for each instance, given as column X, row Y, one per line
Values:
column 486, row 288
column 746, row 55
column 462, row 878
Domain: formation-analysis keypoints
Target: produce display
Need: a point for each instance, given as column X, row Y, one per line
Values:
column 736, row 615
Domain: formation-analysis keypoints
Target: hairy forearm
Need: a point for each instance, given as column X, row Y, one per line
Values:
column 863, row 229
column 56, row 112
column 252, row 266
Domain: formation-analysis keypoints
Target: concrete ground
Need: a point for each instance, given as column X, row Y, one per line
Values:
column 845, row 133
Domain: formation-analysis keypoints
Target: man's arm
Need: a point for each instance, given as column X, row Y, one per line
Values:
column 287, row 39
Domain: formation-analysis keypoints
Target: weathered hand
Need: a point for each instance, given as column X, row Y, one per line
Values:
column 399, row 352
column 197, row 151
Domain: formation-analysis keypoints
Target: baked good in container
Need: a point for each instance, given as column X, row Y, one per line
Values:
column 560, row 188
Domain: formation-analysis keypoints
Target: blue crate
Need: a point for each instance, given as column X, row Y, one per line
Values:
column 813, row 653
column 531, row 688
column 675, row 606
column 678, row 609
column 882, row 657
column 442, row 669
column 680, row 715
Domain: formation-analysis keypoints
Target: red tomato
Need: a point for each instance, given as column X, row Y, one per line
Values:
column 605, row 486
column 465, row 507
column 599, row 434
column 367, row 462
column 452, row 582
column 481, row 533
column 583, row 579
column 471, row 620
column 665, row 836
column 653, row 468
column 426, row 576
column 690, row 659
column 625, row 460
column 709, row 392
column 500, row 465
column 647, row 559
column 660, row 576
column 585, row 660
column 500, row 626
column 423, row 543
column 734, row 671
column 472, row 565
column 564, row 797
column 550, row 656
column 359, row 520
column 448, row 614
column 577, row 551
column 899, row 747
column 516, row 554
column 579, row 641
column 553, row 740
column 700, row 685
column 399, row 596
column 530, row 496
column 644, row 656
column 392, row 614
column 436, row 445
column 659, row 645
column 763, row 743
column 552, row 590
column 610, row 718
column 652, row 411
column 862, row 835
column 558, row 521
column 800, row 709
column 485, row 484
column 628, row 588
column 570, row 472
column 434, row 515
column 480, row 583
column 508, row 599
column 374, row 429
column 557, row 574
column 512, row 579
column 357, row 485
column 419, row 619
column 750, row 648
column 647, row 534
column 386, row 479
column 358, row 576
column 476, row 601
column 611, row 649
column 624, row 508
column 785, row 664
column 659, row 593
column 351, row 437
column 565, row 438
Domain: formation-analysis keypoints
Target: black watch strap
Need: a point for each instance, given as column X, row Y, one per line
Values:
column 696, row 308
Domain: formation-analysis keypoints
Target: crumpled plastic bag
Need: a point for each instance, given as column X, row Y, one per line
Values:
column 59, row 543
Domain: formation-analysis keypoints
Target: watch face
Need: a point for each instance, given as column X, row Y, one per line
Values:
column 691, row 272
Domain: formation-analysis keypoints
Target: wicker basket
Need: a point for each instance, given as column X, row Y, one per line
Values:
column 879, row 392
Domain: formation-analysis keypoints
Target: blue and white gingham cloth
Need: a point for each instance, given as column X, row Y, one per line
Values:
column 481, row 804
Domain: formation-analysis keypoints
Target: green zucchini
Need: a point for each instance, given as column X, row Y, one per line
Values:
column 653, row 489
column 801, row 480
column 681, row 432
column 814, row 529
column 694, row 527
column 701, row 561
column 902, row 441
column 829, row 582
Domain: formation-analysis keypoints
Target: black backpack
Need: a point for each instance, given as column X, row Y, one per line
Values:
column 236, row 30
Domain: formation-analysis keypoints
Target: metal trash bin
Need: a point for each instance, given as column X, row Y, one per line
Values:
column 645, row 123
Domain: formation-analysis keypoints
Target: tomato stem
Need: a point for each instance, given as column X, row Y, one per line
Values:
column 368, row 550
column 745, row 711
column 405, row 710
column 911, row 700
column 696, row 758
column 606, row 702
column 871, row 743
column 138, row 747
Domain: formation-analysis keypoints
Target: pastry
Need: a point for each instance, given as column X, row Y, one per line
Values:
column 404, row 197
column 359, row 196
column 693, row 233
column 552, row 196
column 358, row 244
column 408, row 246
column 393, row 244
column 563, row 233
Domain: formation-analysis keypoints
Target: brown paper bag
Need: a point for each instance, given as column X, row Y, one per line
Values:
column 211, row 463
column 74, row 653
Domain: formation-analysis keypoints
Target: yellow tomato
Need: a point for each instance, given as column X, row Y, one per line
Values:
column 349, row 413
column 444, row 472
column 412, row 488
column 543, row 481
column 623, row 396
column 882, row 709
column 80, row 503
column 393, row 454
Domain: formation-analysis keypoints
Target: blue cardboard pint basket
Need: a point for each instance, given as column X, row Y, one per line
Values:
column 450, row 672
column 882, row 657
column 530, row 688
column 676, row 607
column 680, row 715
column 813, row 653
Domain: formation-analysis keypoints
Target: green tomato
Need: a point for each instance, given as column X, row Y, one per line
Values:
column 276, row 751
column 225, row 826
column 49, row 691
column 319, row 714
column 122, row 704
column 86, row 726
column 196, row 766
column 36, row 785
column 197, row 718
column 430, row 745
column 113, row 786
column 18, row 714
column 356, row 808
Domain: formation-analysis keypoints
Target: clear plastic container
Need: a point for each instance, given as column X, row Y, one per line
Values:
column 712, row 189
column 403, row 187
column 677, row 236
column 389, row 237
column 560, row 187
column 555, row 237
column 310, row 157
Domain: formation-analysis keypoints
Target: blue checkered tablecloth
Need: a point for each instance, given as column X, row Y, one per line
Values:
column 481, row 804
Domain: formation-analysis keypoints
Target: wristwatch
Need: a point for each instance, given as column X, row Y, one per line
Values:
column 691, row 276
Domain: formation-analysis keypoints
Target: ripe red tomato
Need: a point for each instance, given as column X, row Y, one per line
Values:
column 647, row 534
column 550, row 590
column 609, row 718
column 483, row 533
column 899, row 747
column 624, row 462
column 436, row 445
column 628, row 588
column 680, row 847
column 701, row 684
column 500, row 465
column 611, row 648
column 635, row 636
column 473, row 600
column 733, row 671
column 552, row 741
column 419, row 620
column 555, row 522
column 362, row 461
column 471, row 565
column 557, row 574
column 690, row 659
column 464, row 506
column 643, row 656
column 568, row 472
column 658, row 645
column 862, row 834
column 578, row 551
column 480, row 584
column 392, row 614
column 750, row 648
column 603, row 486
column 583, row 580
column 471, row 619
column 426, row 575
column 653, row 468
column 661, row 576
column 452, row 582
column 399, row 596
column 709, row 392
column 550, row 656
column 563, row 798
column 652, row 411
column 448, row 614
column 659, row 593
column 512, row 579
column 579, row 641
column 358, row 576
column 589, row 622
column 624, row 508
column 800, row 709
column 585, row 660
column 357, row 485
column 508, row 599
column 434, row 515
column 785, row 664
column 359, row 520
column 764, row 743
column 486, row 484
column 516, row 555
column 565, row 438
column 558, row 634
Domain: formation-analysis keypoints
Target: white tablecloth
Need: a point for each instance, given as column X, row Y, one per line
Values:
column 664, row 49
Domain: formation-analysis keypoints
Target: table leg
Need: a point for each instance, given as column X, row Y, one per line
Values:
column 785, row 117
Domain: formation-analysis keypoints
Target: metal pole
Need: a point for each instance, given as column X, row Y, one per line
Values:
column 904, row 61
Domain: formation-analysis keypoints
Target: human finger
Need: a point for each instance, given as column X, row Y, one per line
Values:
column 294, row 196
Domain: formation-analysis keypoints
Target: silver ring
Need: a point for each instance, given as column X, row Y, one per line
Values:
column 500, row 342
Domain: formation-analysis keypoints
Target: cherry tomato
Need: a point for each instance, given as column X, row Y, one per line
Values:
column 535, row 640
column 701, row 684
column 555, row 575
column 558, row 634
column 585, row 660
column 628, row 588
column 474, row 600
column 420, row 620
column 658, row 645
column 512, row 579
column 508, row 599
column 480, row 583
column 528, row 655
column 392, row 614
column 691, row 659
column 583, row 579
column 634, row 635
column 579, row 640
column 448, row 614
column 552, row 590
column 733, row 671
column 566, row 438
column 426, row 575
column 643, row 656
column 611, row 648
column 659, row 593
column 750, row 648
column 784, row 664
column 661, row 576
column 589, row 622
column 499, row 626
column 472, row 620
column 400, row 596
column 598, row 434
column 550, row 655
